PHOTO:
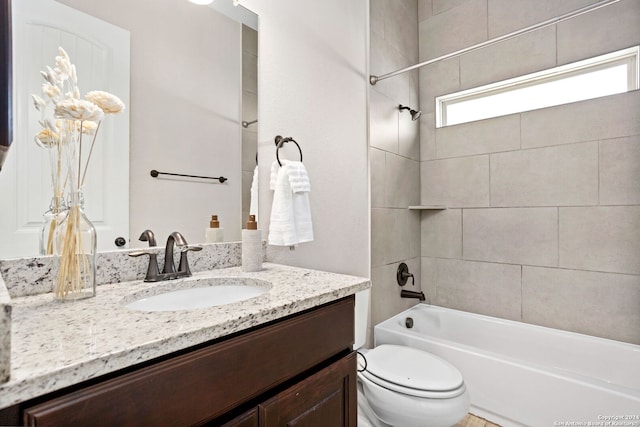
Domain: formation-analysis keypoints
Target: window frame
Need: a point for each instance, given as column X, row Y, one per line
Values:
column 629, row 56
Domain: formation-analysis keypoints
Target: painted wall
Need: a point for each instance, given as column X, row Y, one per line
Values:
column 185, row 114
column 394, row 154
column 543, row 224
column 313, row 87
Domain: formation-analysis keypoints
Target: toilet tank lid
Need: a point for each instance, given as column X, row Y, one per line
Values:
column 413, row 368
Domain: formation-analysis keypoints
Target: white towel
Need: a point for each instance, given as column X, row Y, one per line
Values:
column 275, row 167
column 253, row 203
column 291, row 213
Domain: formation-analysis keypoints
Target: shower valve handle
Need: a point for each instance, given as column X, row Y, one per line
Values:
column 403, row 275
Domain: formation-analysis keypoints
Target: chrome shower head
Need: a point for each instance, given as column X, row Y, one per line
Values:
column 415, row 115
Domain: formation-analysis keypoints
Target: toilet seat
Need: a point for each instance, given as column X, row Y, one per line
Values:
column 413, row 372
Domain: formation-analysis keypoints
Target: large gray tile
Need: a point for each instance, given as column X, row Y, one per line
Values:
column 250, row 110
column 479, row 287
column 521, row 55
column 401, row 27
column 506, row 16
column 385, row 292
column 620, row 171
column 249, row 150
column 427, row 136
column 440, row 6
column 555, row 176
column 607, row 29
column 409, row 136
column 380, row 237
column 395, row 235
column 603, row 239
column 428, row 279
column 479, row 137
column 602, row 118
column 512, row 235
column 424, row 9
column 377, row 165
column 439, row 78
column 402, row 183
column 442, row 233
column 600, row 304
column 383, row 122
column 249, row 40
column 384, row 59
column 453, row 29
column 249, row 72
column 377, row 11
column 460, row 182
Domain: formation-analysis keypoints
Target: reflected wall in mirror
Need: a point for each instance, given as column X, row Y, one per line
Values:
column 186, row 105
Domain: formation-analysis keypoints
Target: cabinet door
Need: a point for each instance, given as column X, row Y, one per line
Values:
column 248, row 419
column 327, row 398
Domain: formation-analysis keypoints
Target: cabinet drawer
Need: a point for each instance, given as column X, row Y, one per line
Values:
column 206, row 383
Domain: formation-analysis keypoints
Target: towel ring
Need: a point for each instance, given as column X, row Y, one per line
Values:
column 280, row 141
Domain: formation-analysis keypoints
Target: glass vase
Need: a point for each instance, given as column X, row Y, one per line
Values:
column 75, row 250
column 52, row 218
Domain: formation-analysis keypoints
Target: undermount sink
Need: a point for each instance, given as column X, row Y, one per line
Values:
column 196, row 292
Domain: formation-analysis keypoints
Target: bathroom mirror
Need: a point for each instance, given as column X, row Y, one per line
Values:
column 193, row 82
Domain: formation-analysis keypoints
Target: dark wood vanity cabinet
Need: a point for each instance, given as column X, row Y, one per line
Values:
column 325, row 399
column 299, row 371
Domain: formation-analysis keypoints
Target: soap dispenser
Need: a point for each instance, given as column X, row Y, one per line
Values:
column 214, row 233
column 251, row 246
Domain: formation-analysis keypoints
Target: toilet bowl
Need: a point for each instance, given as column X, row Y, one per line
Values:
column 406, row 387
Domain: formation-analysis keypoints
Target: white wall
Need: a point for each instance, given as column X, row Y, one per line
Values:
column 185, row 114
column 313, row 87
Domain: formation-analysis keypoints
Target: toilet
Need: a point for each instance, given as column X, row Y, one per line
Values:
column 401, row 386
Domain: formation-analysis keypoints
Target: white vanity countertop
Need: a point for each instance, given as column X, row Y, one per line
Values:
column 58, row 344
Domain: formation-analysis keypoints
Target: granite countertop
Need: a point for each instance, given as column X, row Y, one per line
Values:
column 55, row 345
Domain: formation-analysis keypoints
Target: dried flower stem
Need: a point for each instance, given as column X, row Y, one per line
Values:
column 86, row 166
column 80, row 155
column 74, row 262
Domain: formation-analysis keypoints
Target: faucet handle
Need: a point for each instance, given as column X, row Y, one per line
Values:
column 183, row 267
column 148, row 236
column 152, row 268
column 402, row 275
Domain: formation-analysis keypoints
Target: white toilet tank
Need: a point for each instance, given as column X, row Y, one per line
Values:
column 361, row 314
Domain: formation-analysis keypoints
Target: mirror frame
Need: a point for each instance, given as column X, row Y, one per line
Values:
column 6, row 119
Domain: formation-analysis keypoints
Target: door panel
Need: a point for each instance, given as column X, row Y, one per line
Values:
column 100, row 52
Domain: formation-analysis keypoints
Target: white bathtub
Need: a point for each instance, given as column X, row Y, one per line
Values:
column 519, row 374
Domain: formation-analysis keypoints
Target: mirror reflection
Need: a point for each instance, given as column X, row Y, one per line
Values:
column 192, row 77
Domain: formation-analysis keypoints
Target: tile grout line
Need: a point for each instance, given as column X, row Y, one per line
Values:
column 558, row 238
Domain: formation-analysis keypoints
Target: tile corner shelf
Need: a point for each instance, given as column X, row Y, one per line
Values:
column 428, row 207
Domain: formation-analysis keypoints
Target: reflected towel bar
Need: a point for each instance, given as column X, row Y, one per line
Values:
column 154, row 173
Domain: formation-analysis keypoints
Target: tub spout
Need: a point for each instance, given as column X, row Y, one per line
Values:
column 412, row 294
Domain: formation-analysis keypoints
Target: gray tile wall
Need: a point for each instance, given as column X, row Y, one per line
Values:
column 394, row 155
column 544, row 218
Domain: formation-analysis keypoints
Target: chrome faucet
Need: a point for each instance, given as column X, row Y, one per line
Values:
column 169, row 270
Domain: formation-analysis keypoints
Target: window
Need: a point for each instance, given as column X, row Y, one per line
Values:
column 604, row 75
